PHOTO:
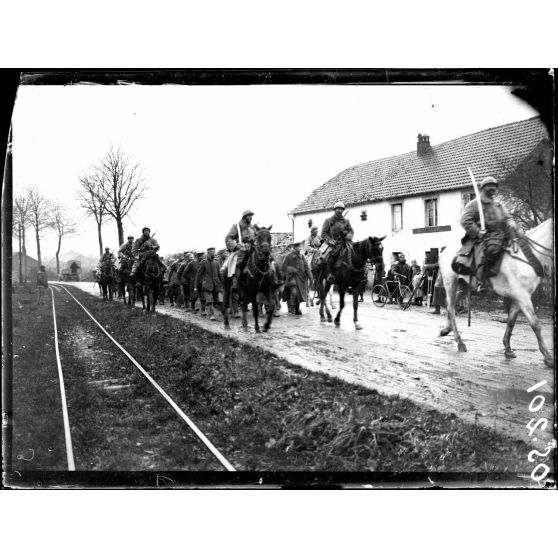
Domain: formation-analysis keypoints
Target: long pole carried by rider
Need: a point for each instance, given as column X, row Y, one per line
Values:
column 482, row 231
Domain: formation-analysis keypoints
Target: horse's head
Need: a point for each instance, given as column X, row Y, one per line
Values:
column 106, row 268
column 263, row 239
column 151, row 265
column 375, row 252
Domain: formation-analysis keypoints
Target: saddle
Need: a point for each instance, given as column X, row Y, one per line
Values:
column 471, row 259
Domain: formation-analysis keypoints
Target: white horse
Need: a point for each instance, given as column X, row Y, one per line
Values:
column 516, row 280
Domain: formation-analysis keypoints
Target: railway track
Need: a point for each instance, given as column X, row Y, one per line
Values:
column 67, row 430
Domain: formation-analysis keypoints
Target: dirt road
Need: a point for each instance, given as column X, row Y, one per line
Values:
column 399, row 353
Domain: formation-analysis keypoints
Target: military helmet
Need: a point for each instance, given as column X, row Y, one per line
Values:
column 339, row 204
column 145, row 229
column 107, row 249
column 247, row 212
column 313, row 229
column 488, row 180
column 131, row 236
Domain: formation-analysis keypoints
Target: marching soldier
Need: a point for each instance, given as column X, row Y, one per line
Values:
column 498, row 223
column 336, row 231
column 208, row 279
column 297, row 274
column 189, row 276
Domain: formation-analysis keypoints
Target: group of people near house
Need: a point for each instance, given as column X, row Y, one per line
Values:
column 201, row 275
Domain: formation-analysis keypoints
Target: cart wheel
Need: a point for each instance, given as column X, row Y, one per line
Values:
column 405, row 296
column 379, row 295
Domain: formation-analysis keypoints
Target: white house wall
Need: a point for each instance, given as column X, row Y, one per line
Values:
column 378, row 223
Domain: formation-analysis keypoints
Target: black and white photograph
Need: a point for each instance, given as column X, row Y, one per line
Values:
column 279, row 278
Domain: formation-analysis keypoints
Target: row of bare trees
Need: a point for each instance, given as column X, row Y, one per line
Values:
column 109, row 189
column 34, row 212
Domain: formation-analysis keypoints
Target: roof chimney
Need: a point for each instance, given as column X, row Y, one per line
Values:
column 423, row 145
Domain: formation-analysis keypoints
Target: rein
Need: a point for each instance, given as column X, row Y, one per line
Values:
column 526, row 249
column 532, row 243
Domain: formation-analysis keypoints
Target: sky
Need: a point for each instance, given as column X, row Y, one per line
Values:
column 210, row 152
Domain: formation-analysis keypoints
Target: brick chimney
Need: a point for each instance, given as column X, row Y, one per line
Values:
column 423, row 145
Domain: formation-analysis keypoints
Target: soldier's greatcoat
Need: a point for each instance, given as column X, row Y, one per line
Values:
column 126, row 250
column 247, row 232
column 296, row 272
column 141, row 245
column 496, row 217
column 337, row 228
column 208, row 275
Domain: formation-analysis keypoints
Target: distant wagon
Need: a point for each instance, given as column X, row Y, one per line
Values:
column 72, row 271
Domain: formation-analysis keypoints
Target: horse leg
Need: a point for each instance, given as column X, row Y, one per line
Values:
column 244, row 306
column 255, row 312
column 341, row 306
column 270, row 310
column 526, row 306
column 513, row 311
column 322, row 302
column 451, row 295
column 356, row 296
column 327, row 287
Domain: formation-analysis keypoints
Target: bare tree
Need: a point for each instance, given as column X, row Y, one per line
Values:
column 122, row 183
column 93, row 199
column 64, row 226
column 526, row 188
column 21, row 223
column 40, row 215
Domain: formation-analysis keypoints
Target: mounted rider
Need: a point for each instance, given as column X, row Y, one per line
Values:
column 312, row 243
column 140, row 248
column 337, row 234
column 499, row 225
column 125, row 251
column 243, row 234
column 108, row 256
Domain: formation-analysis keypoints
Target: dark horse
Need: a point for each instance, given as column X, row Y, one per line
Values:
column 107, row 280
column 256, row 280
column 349, row 272
column 149, row 276
column 125, row 282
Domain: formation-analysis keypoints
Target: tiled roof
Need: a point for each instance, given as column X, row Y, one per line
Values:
column 488, row 153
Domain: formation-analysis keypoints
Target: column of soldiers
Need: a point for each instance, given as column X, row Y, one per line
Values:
column 203, row 278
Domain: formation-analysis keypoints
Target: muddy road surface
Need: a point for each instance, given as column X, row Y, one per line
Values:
column 400, row 353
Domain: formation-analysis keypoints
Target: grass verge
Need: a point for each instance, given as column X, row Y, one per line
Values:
column 266, row 414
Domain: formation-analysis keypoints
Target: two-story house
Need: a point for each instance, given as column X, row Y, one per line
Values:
column 417, row 198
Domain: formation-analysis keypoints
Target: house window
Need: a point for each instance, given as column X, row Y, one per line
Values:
column 466, row 197
column 431, row 212
column 396, row 216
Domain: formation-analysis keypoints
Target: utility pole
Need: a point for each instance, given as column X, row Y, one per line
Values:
column 7, row 334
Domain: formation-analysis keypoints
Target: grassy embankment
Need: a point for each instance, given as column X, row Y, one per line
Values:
column 265, row 414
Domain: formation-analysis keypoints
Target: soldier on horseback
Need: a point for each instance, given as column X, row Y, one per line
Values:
column 108, row 256
column 337, row 233
column 499, row 228
column 125, row 251
column 141, row 246
column 313, row 242
column 244, row 233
